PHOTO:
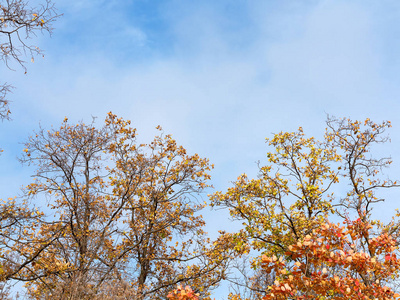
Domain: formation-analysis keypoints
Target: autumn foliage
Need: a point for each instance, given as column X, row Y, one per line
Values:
column 123, row 219
column 181, row 293
column 126, row 213
column 290, row 213
column 327, row 264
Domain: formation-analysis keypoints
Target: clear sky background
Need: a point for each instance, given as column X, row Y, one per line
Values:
column 220, row 76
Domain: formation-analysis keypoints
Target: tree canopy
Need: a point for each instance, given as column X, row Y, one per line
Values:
column 290, row 212
column 126, row 216
column 125, row 220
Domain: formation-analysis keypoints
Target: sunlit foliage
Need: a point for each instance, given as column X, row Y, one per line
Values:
column 287, row 213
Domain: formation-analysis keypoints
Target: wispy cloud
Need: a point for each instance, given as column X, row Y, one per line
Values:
column 219, row 76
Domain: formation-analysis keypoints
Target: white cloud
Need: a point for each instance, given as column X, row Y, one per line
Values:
column 208, row 92
column 222, row 90
column 219, row 88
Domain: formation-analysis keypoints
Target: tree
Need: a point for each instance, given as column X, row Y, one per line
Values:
column 126, row 216
column 328, row 264
column 18, row 23
column 293, row 198
column 19, row 219
column 125, row 220
column 19, row 245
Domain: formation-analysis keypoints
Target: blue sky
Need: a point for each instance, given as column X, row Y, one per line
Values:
column 220, row 76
